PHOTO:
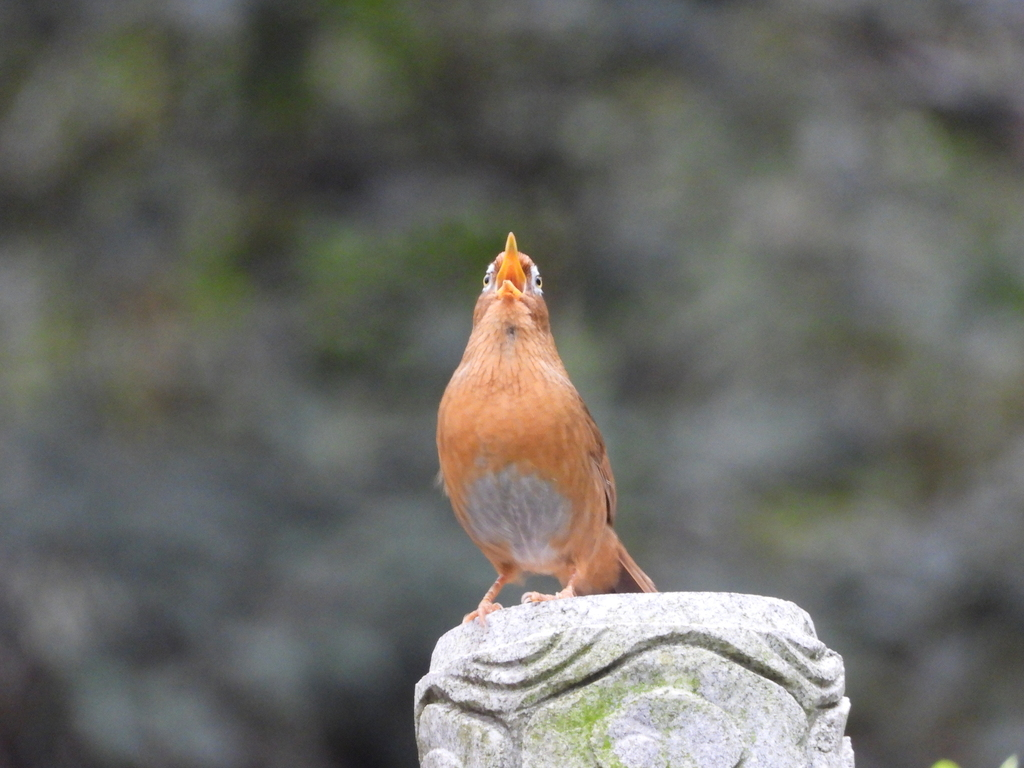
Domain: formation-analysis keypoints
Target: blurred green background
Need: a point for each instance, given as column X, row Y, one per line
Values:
column 240, row 242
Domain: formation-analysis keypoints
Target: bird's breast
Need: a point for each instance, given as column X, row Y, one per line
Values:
column 523, row 512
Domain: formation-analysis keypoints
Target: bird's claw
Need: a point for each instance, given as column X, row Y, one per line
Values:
column 480, row 614
column 539, row 597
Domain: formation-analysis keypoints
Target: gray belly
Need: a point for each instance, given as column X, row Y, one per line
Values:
column 523, row 512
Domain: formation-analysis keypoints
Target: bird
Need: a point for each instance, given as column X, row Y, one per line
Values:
column 522, row 460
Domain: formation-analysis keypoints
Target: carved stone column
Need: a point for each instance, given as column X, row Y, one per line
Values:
column 695, row 680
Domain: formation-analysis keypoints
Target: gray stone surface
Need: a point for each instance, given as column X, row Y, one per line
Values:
column 696, row 680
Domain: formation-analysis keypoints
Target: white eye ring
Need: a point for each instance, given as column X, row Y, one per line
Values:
column 535, row 279
column 489, row 276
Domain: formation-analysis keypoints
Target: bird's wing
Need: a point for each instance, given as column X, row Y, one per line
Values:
column 604, row 470
column 602, row 466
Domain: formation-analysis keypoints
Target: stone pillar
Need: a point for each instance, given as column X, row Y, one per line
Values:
column 694, row 680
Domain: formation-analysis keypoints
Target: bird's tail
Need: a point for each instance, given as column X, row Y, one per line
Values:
column 631, row 578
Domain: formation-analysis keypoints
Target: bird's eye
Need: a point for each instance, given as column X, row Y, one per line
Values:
column 537, row 282
column 487, row 279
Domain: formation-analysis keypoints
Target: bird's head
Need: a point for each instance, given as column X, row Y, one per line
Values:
column 512, row 291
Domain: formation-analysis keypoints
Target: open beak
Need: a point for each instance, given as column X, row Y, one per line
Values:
column 511, row 279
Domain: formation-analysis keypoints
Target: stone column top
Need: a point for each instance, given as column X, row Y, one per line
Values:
column 676, row 609
column 636, row 680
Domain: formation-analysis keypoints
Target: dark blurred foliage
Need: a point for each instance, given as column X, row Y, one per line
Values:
column 783, row 244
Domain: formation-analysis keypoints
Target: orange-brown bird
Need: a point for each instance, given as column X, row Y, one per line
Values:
column 521, row 458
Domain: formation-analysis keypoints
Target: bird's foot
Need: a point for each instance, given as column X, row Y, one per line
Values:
column 538, row 597
column 480, row 614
